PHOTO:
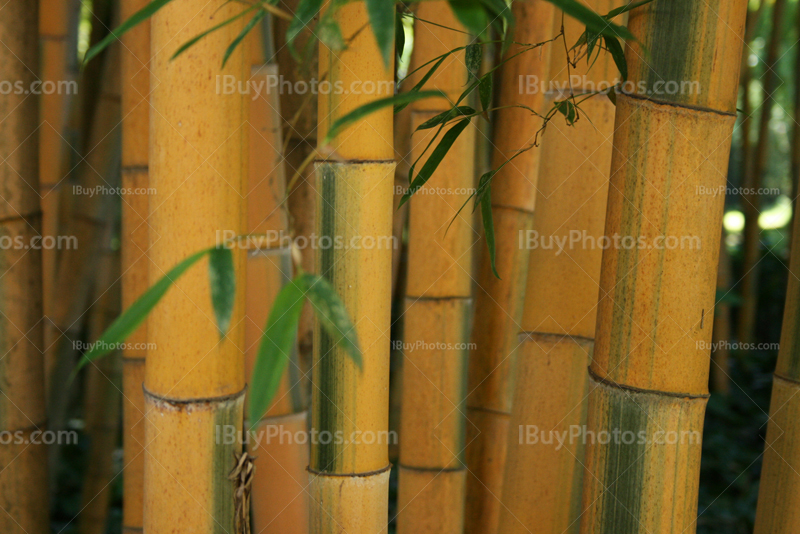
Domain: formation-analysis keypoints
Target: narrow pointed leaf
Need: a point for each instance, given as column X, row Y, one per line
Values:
column 473, row 59
column 615, row 48
column 381, row 18
column 401, row 106
column 399, row 35
column 222, row 279
column 445, row 116
column 277, row 343
column 471, row 14
column 138, row 17
column 593, row 21
column 488, row 224
column 249, row 26
column 485, row 91
column 191, row 42
column 131, row 318
column 332, row 315
column 330, row 34
column 306, row 11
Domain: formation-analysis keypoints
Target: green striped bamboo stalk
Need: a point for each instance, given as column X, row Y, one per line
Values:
column 649, row 371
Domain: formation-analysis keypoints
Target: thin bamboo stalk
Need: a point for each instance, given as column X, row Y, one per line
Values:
column 438, row 304
column 778, row 510
column 499, row 302
column 720, row 358
column 23, row 466
column 194, row 381
column 556, row 338
column 280, row 503
column 752, row 196
column 135, row 88
column 649, row 371
column 103, row 393
column 349, row 478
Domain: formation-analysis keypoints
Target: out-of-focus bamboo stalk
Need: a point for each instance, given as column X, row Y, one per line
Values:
column 23, row 464
column 720, row 357
column 499, row 302
column 194, row 380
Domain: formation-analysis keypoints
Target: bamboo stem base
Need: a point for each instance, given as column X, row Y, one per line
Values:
column 431, row 501
column 355, row 504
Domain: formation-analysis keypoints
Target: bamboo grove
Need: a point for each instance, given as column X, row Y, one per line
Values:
column 441, row 267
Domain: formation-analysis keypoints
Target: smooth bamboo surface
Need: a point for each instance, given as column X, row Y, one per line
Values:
column 23, row 466
column 499, row 302
column 194, row 381
column 649, row 372
column 135, row 65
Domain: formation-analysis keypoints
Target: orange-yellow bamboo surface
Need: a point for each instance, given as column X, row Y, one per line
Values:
column 437, row 309
column 135, row 89
column 499, row 302
column 23, row 466
column 194, row 381
column 649, row 372
column 558, row 323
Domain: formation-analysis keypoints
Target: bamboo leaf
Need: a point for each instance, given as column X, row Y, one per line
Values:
column 471, row 14
column 567, row 108
column 382, row 19
column 330, row 34
column 399, row 107
column 332, row 315
column 222, row 280
column 488, row 222
column 435, row 159
column 131, row 318
column 399, row 35
column 249, row 26
column 445, row 116
column 362, row 111
column 473, row 59
column 615, row 48
column 191, row 42
column 485, row 91
column 277, row 343
column 306, row 11
column 624, row 9
column 138, row 17
column 592, row 20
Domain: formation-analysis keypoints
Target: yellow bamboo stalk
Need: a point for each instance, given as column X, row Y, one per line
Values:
column 194, row 381
column 720, row 358
column 102, row 401
column 135, row 64
column 558, row 322
column 23, row 466
column 438, row 303
column 349, row 479
column 649, row 371
column 499, row 302
column 280, row 503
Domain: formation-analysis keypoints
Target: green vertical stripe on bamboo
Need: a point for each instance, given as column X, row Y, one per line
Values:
column 651, row 361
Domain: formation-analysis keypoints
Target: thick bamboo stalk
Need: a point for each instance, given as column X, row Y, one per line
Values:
column 23, row 466
column 752, row 197
column 135, row 52
column 649, row 371
column 499, row 302
column 778, row 510
column 437, row 311
column 102, row 401
column 194, row 381
column 349, row 478
column 558, row 323
column 280, row 503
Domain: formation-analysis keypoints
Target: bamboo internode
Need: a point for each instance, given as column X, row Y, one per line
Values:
column 649, row 372
column 194, row 380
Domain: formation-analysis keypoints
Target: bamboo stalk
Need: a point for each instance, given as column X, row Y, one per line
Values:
column 720, row 358
column 649, row 371
column 499, row 302
column 135, row 63
column 349, row 479
column 752, row 197
column 280, row 503
column 556, row 338
column 194, row 381
column 778, row 510
column 438, row 304
column 103, row 393
column 23, row 466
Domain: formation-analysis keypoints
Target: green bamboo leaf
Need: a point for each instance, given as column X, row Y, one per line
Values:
column 332, row 315
column 399, row 107
column 473, row 59
column 222, row 280
column 362, row 111
column 445, row 116
column 471, row 14
column 488, row 222
column 249, row 26
column 277, row 343
column 624, row 9
column 306, row 11
column 330, row 34
column 131, row 318
column 191, row 42
column 485, row 91
column 592, row 20
column 435, row 159
column 399, row 35
column 381, row 18
column 138, row 17
column 612, row 95
column 615, row 48
column 567, row 108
